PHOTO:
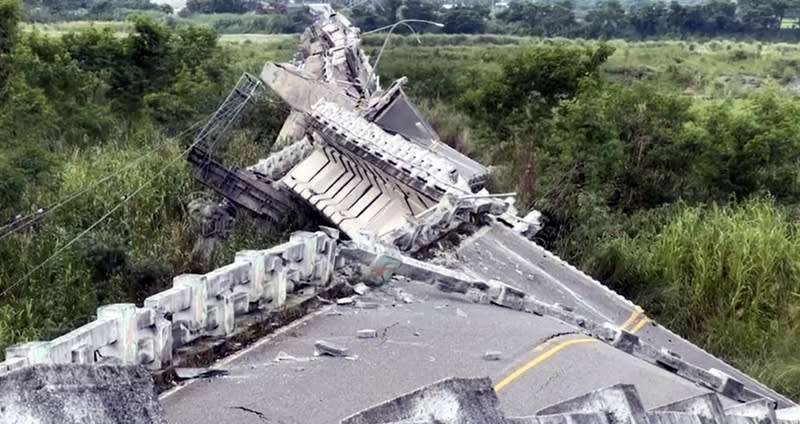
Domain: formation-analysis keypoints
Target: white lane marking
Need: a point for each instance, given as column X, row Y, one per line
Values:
column 551, row 278
column 228, row 359
column 474, row 237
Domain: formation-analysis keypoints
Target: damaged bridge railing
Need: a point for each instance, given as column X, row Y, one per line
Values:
column 206, row 306
column 196, row 306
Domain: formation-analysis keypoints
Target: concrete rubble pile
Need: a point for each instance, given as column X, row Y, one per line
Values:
column 362, row 157
column 473, row 401
column 72, row 393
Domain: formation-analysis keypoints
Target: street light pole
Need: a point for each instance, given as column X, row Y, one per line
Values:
column 385, row 42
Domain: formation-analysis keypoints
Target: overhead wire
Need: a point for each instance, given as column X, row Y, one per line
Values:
column 23, row 222
column 32, row 217
column 29, row 219
column 121, row 203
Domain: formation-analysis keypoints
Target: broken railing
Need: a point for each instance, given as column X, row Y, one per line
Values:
column 197, row 305
column 206, row 306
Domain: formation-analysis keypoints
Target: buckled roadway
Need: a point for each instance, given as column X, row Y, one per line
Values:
column 423, row 336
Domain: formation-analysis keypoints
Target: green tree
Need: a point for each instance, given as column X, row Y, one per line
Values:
column 418, row 9
column 465, row 20
column 532, row 82
column 649, row 18
column 216, row 6
column 607, row 20
column 761, row 16
column 10, row 15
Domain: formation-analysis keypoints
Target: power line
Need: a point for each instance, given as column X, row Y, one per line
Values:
column 122, row 202
column 33, row 217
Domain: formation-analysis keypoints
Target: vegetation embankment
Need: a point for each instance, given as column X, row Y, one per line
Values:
column 676, row 186
column 84, row 110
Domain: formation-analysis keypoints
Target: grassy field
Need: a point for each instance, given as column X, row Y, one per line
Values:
column 55, row 29
column 710, row 69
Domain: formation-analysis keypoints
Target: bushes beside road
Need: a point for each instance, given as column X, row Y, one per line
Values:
column 686, row 204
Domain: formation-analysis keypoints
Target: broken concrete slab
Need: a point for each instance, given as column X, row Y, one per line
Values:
column 367, row 334
column 575, row 418
column 621, row 404
column 329, row 349
column 366, row 305
column 285, row 357
column 669, row 417
column 761, row 411
column 707, row 407
column 492, row 355
column 73, row 393
column 450, row 401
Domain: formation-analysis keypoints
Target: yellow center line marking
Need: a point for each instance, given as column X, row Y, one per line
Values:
column 641, row 324
column 634, row 316
column 539, row 359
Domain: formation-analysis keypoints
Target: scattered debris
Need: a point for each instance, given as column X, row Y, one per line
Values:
column 345, row 301
column 461, row 313
column 492, row 355
column 324, row 301
column 283, row 356
column 351, row 358
column 565, row 307
column 360, row 289
column 477, row 296
column 367, row 334
column 329, row 349
column 366, row 305
column 334, row 312
column 190, row 373
column 401, row 295
column 416, row 334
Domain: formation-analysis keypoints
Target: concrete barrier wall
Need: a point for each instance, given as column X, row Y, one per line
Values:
column 195, row 306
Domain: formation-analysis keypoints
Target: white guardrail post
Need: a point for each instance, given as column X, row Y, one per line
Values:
column 195, row 306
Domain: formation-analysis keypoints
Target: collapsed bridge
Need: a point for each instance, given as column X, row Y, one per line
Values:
column 492, row 303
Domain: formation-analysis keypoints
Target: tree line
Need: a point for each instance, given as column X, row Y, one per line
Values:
column 70, row 10
column 767, row 19
column 609, row 19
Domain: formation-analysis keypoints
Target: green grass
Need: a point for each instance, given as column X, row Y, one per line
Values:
column 727, row 278
column 57, row 29
column 709, row 69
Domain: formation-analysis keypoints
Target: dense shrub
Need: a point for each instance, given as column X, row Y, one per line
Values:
column 687, row 205
column 722, row 276
column 86, row 108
